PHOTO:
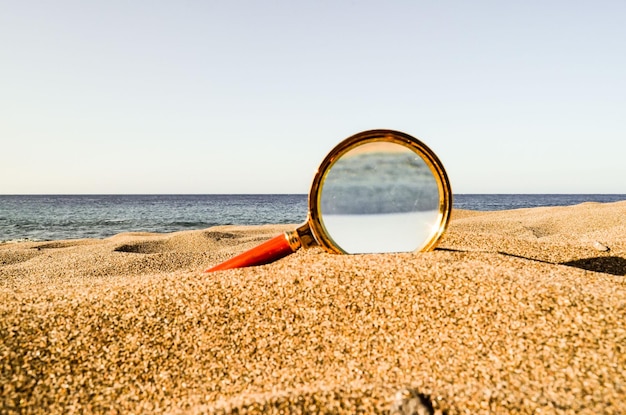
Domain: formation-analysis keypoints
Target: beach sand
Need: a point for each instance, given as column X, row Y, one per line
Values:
column 518, row 311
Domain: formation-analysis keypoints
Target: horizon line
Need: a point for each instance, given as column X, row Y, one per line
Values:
column 279, row 194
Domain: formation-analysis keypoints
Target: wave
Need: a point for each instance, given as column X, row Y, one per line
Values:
column 20, row 240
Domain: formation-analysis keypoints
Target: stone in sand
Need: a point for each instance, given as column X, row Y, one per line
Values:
column 411, row 402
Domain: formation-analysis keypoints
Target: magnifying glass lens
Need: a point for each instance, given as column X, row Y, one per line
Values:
column 379, row 197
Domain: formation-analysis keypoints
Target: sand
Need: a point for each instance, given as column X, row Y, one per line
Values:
column 518, row 311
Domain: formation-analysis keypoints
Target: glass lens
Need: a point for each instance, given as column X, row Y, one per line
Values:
column 379, row 197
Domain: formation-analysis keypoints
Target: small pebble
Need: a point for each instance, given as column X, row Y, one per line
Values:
column 600, row 247
column 411, row 402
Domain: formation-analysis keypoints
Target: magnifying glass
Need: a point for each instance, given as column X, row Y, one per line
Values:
column 377, row 191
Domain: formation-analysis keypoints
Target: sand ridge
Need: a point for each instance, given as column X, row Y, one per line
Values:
column 516, row 312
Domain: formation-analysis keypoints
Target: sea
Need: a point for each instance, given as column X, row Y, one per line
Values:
column 55, row 217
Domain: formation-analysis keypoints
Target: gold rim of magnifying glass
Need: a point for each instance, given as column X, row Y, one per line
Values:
column 373, row 136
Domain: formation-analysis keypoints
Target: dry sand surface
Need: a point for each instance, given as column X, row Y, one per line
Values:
column 517, row 312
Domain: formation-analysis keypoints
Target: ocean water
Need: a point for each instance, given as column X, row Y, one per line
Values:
column 487, row 202
column 379, row 182
column 52, row 217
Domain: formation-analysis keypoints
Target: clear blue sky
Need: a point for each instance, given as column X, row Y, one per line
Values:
column 248, row 96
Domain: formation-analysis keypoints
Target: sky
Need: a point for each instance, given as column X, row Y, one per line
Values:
column 150, row 97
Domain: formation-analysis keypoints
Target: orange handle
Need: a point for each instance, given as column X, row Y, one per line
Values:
column 265, row 253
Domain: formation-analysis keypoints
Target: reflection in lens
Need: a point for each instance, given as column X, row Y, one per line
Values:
column 380, row 197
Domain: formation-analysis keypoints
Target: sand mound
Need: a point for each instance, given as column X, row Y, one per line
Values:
column 518, row 312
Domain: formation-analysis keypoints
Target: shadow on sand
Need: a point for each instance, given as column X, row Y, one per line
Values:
column 613, row 265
